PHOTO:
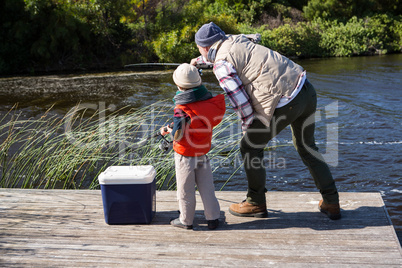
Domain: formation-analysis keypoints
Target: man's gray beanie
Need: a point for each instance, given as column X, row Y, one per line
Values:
column 208, row 34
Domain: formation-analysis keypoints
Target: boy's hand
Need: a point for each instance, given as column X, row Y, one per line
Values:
column 166, row 130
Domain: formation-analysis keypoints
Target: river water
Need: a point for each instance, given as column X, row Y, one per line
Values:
column 358, row 119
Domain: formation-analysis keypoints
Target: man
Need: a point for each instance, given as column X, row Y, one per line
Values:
column 268, row 92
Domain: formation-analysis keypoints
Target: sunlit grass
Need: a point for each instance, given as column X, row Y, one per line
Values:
column 70, row 152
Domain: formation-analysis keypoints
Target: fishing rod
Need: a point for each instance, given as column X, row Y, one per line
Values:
column 164, row 146
column 151, row 64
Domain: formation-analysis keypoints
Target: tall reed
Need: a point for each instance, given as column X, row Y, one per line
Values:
column 70, row 151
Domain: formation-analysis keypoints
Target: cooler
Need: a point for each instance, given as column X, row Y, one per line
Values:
column 128, row 194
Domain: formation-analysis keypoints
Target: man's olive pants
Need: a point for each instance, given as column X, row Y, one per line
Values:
column 299, row 114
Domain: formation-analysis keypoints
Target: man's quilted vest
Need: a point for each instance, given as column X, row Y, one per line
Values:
column 266, row 74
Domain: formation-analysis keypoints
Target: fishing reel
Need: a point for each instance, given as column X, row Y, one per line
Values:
column 165, row 145
column 201, row 66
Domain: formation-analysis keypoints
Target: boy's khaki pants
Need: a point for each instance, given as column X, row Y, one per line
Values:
column 192, row 171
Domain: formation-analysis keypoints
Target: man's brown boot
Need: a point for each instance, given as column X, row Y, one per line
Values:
column 333, row 211
column 245, row 209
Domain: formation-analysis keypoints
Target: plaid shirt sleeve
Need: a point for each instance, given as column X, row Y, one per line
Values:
column 233, row 86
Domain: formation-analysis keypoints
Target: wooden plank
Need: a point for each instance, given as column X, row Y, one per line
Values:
column 67, row 228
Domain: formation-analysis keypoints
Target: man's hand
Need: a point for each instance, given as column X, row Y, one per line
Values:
column 194, row 61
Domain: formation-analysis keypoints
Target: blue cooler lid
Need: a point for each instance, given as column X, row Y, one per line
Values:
column 127, row 175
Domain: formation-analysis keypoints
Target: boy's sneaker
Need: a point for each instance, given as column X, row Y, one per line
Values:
column 177, row 223
column 333, row 211
column 213, row 224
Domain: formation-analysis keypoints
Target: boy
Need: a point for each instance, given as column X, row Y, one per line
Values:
column 195, row 114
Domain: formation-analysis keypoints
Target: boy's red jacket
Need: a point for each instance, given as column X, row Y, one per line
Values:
column 204, row 115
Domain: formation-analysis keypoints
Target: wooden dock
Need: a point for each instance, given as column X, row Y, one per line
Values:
column 53, row 228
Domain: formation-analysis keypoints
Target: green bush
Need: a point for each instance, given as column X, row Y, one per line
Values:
column 346, row 9
column 281, row 39
column 345, row 39
column 383, row 34
column 396, row 28
column 176, row 45
column 244, row 11
column 375, row 35
column 301, row 40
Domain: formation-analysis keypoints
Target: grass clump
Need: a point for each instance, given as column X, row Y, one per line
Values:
column 70, row 151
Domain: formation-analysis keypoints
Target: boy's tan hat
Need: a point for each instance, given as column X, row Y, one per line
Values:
column 187, row 76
